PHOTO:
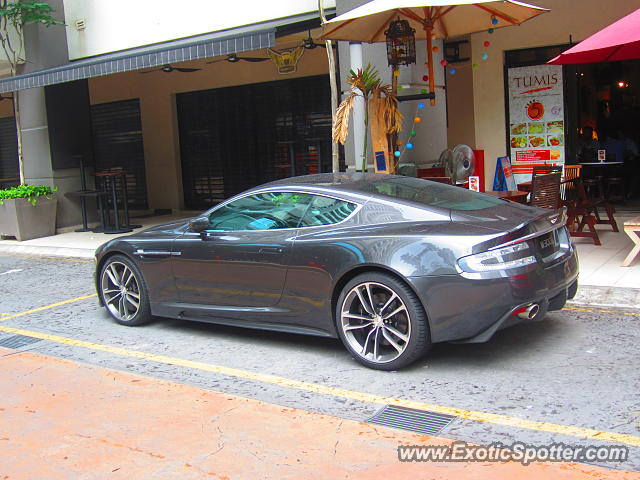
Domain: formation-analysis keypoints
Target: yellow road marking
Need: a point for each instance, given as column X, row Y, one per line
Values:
column 590, row 310
column 46, row 307
column 578, row 432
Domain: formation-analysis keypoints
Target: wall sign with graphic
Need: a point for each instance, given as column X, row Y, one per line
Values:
column 536, row 118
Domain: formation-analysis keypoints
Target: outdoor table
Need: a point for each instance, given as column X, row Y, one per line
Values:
column 511, row 195
column 599, row 169
column 525, row 186
column 110, row 190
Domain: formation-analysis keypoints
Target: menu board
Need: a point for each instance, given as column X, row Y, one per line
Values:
column 536, row 118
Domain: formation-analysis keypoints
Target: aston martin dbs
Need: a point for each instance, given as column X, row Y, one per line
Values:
column 388, row 264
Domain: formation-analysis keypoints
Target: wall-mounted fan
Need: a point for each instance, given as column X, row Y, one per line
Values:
column 170, row 68
column 459, row 164
column 309, row 44
column 233, row 58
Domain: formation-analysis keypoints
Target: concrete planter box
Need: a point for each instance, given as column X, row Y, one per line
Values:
column 20, row 219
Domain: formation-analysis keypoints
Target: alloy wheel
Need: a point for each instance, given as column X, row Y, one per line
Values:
column 120, row 291
column 375, row 322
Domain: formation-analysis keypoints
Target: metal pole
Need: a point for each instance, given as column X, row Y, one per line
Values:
column 335, row 160
column 355, row 54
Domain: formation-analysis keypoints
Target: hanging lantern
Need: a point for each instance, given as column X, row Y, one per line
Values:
column 401, row 43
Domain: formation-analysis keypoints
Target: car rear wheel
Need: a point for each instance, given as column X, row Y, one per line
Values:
column 123, row 291
column 381, row 322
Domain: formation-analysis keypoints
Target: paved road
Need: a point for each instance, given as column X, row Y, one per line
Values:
column 574, row 369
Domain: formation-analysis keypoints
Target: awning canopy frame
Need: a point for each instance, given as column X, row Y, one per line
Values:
column 193, row 48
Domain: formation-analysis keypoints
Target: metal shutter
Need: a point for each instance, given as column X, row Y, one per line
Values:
column 9, row 169
column 235, row 138
column 117, row 143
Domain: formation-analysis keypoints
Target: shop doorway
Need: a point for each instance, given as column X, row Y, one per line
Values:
column 238, row 137
column 608, row 111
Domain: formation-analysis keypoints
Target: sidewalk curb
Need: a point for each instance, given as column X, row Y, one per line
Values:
column 41, row 251
column 603, row 296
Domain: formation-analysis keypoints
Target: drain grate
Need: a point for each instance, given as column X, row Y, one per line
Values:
column 18, row 341
column 419, row 421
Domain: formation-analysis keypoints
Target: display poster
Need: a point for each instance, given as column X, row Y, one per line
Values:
column 536, row 118
column 507, row 170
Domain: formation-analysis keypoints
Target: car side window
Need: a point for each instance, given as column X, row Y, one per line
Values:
column 327, row 211
column 263, row 211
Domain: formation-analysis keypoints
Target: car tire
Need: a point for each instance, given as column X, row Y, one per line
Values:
column 124, row 292
column 381, row 322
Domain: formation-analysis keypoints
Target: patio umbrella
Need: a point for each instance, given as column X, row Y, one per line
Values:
column 618, row 41
column 430, row 18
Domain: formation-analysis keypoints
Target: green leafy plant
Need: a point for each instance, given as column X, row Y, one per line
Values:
column 29, row 192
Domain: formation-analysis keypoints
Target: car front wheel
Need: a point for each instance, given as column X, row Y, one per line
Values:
column 381, row 322
column 123, row 291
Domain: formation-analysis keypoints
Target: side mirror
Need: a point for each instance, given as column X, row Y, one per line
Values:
column 198, row 224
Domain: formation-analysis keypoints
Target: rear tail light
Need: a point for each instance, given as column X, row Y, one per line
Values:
column 513, row 256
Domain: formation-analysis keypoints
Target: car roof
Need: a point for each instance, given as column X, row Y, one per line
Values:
column 351, row 182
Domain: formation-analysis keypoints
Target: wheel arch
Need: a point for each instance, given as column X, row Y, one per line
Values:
column 100, row 263
column 347, row 276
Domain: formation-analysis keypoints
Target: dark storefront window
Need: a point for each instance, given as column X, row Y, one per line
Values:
column 9, row 169
column 235, row 138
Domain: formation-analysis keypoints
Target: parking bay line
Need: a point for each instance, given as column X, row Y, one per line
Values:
column 592, row 310
column 485, row 417
column 4, row 317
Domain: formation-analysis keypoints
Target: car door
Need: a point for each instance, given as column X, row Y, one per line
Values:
column 241, row 259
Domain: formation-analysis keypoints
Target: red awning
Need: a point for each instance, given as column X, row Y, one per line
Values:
column 618, row 41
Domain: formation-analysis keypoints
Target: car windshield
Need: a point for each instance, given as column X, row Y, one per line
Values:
column 431, row 193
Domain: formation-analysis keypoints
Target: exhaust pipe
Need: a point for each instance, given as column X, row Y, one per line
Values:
column 530, row 312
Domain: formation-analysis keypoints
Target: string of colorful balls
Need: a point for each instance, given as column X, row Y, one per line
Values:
column 484, row 56
column 408, row 145
column 417, row 118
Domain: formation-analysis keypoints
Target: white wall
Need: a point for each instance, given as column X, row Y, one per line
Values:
column 431, row 132
column 113, row 25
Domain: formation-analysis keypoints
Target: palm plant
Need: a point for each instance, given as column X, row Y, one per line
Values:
column 380, row 102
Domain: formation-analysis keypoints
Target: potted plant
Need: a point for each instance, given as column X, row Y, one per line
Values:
column 28, row 211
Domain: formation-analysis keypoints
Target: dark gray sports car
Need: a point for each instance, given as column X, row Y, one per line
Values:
column 389, row 264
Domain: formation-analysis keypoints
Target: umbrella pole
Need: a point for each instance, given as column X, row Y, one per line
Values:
column 432, row 86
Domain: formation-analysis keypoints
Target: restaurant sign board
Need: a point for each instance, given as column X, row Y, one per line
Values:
column 536, row 118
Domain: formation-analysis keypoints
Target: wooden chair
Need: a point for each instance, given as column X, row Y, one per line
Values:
column 431, row 172
column 574, row 198
column 543, row 169
column 572, row 171
column 545, row 190
column 593, row 199
column 446, row 180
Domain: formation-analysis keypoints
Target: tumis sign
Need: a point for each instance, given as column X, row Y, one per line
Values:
column 536, row 118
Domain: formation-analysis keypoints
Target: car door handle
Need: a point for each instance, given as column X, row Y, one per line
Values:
column 208, row 236
column 156, row 253
column 271, row 250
